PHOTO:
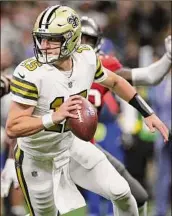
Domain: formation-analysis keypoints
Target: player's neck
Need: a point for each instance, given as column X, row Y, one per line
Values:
column 64, row 64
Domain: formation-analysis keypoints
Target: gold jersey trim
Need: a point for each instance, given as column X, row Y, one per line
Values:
column 24, row 89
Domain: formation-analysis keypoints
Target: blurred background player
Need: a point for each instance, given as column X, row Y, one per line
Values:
column 92, row 35
column 5, row 86
column 163, row 153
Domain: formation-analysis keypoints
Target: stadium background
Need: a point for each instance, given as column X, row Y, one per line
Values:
column 135, row 32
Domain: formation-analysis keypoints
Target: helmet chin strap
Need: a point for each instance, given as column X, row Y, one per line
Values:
column 47, row 59
column 52, row 58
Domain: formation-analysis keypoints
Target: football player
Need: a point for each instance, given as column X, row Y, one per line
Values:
column 49, row 159
column 147, row 76
column 92, row 35
column 5, row 85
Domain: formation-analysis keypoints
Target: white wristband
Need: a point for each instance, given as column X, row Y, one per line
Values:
column 47, row 120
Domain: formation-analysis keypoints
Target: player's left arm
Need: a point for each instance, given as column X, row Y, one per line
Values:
column 154, row 73
column 124, row 90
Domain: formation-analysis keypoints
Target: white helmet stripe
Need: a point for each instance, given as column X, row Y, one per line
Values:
column 46, row 16
column 40, row 21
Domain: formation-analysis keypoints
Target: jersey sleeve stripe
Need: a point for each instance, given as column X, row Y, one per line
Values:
column 98, row 63
column 23, row 93
column 25, row 89
column 99, row 73
column 99, row 69
column 24, row 83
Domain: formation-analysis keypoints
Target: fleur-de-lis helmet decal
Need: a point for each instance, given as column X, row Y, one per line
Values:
column 73, row 20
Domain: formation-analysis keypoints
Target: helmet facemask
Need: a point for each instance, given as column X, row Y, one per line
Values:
column 43, row 55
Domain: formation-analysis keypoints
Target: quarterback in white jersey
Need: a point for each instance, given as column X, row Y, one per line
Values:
column 49, row 159
column 46, row 87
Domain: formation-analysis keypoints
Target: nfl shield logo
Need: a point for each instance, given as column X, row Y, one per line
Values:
column 34, row 174
column 70, row 84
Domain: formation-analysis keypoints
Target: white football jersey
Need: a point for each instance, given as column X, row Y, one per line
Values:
column 46, row 88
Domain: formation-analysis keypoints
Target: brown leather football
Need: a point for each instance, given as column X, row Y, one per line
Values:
column 85, row 126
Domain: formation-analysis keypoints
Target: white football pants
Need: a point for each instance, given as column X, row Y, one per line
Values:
column 49, row 185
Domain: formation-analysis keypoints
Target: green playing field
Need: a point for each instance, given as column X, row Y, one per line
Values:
column 82, row 211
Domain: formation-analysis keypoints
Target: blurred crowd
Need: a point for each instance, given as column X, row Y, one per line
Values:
column 135, row 32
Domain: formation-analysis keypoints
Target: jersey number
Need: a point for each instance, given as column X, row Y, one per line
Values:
column 32, row 65
column 62, row 127
column 55, row 104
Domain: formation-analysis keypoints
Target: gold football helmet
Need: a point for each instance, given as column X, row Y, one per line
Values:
column 57, row 23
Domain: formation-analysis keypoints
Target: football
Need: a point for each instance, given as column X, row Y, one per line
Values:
column 85, row 126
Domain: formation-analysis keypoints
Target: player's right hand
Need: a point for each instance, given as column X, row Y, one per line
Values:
column 8, row 176
column 168, row 46
column 64, row 111
column 153, row 122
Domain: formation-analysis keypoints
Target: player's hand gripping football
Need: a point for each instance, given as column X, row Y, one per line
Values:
column 64, row 111
column 153, row 123
column 8, row 176
column 168, row 46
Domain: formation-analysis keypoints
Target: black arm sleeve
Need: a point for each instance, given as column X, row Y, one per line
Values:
column 138, row 103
